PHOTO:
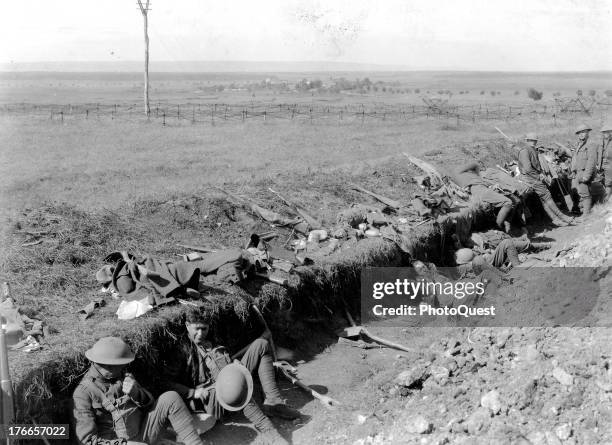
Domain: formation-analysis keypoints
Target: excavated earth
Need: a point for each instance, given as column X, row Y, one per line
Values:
column 539, row 386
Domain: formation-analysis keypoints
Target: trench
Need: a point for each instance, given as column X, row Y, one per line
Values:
column 302, row 316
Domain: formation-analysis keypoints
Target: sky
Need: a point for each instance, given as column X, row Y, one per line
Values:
column 498, row 35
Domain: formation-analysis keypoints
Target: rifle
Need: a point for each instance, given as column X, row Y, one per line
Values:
column 202, row 249
column 505, row 135
column 390, row 202
column 448, row 183
column 311, row 220
column 568, row 151
column 503, row 169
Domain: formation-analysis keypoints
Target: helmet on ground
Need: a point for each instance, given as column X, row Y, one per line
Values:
column 582, row 127
column 110, row 351
column 105, row 274
column 464, row 255
column 234, row 387
column 531, row 137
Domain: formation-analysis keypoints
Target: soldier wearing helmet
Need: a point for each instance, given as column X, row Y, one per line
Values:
column 584, row 169
column 604, row 163
column 195, row 369
column 504, row 256
column 533, row 175
column 109, row 404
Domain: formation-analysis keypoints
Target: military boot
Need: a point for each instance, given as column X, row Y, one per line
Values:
column 587, row 204
column 502, row 217
column 279, row 408
column 554, row 213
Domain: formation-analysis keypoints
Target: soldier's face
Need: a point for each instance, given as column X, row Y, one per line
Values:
column 583, row 135
column 532, row 143
column 110, row 371
column 197, row 331
column 607, row 135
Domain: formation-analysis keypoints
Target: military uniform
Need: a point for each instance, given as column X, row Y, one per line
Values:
column 467, row 177
column 584, row 169
column 531, row 169
column 193, row 366
column 103, row 412
column 531, row 173
column 604, row 164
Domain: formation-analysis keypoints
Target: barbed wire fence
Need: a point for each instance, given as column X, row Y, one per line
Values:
column 166, row 113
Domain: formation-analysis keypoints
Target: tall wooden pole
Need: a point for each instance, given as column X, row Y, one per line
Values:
column 145, row 9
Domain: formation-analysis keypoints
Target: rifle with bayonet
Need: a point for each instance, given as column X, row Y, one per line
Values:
column 311, row 220
column 388, row 201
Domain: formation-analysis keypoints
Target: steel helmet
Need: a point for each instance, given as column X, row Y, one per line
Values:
column 583, row 127
column 531, row 137
column 110, row 351
column 606, row 127
column 464, row 255
column 234, row 387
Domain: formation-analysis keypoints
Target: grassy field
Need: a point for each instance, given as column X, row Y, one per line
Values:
column 100, row 185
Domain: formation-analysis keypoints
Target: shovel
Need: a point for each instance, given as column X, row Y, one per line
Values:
column 326, row 401
column 289, row 371
column 357, row 331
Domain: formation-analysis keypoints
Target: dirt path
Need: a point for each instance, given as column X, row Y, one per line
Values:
column 499, row 385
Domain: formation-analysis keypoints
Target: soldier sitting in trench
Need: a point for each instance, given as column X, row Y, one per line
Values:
column 193, row 369
column 111, row 406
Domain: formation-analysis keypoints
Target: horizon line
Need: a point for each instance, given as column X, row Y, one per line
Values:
column 363, row 66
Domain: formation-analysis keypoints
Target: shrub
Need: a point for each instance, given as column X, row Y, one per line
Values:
column 534, row 94
column 592, row 93
column 417, row 90
column 482, row 93
column 579, row 93
column 492, row 93
column 516, row 93
column 608, row 93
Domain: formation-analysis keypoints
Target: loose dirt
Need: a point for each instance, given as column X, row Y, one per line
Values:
column 464, row 385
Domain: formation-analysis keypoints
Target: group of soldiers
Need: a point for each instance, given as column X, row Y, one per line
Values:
column 202, row 383
column 581, row 174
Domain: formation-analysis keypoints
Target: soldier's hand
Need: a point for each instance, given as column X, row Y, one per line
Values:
column 201, row 393
column 129, row 384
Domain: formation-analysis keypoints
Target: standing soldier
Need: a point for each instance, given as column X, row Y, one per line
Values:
column 584, row 168
column 604, row 163
column 532, row 175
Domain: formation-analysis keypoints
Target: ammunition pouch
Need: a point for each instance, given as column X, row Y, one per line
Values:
column 216, row 359
column 127, row 417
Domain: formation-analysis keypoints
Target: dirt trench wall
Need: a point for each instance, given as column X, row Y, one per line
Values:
column 44, row 394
